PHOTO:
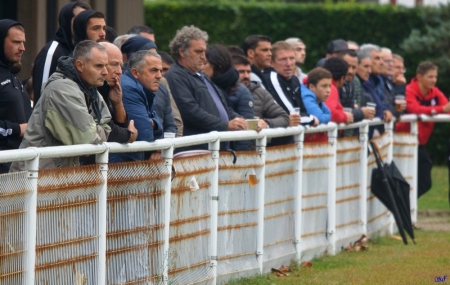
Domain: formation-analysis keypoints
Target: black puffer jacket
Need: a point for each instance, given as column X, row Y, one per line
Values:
column 15, row 105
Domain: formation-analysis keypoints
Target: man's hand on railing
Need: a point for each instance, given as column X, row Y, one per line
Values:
column 237, row 124
column 133, row 132
column 446, row 107
column 349, row 117
column 387, row 116
column 369, row 113
column 316, row 122
column 261, row 125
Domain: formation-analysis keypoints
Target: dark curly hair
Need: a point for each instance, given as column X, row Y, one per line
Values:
column 337, row 67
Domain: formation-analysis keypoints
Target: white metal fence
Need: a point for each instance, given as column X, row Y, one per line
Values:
column 194, row 219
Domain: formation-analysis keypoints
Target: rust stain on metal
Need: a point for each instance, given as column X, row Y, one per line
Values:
column 349, row 138
column 15, row 193
column 189, row 220
column 189, row 236
column 371, row 197
column 66, row 261
column 348, row 224
column 403, row 155
column 347, row 162
column 240, row 166
column 237, row 226
column 234, row 182
column 232, row 256
column 280, row 173
column 137, row 195
column 284, row 147
column 148, row 245
column 88, row 175
column 348, row 199
column 66, row 205
column 279, row 201
column 12, row 213
column 313, row 156
column 277, row 242
column 315, row 195
column 184, row 187
column 279, row 215
column 312, row 169
column 190, row 266
column 135, row 230
column 15, row 252
column 309, row 144
column 377, row 217
column 345, row 150
column 280, row 160
column 11, row 274
column 313, row 234
column 233, row 212
column 73, row 241
column 308, row 209
column 356, row 185
column 139, row 170
column 397, row 143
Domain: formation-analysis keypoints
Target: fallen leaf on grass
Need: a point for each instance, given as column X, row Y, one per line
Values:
column 396, row 237
column 306, row 264
column 284, row 268
column 279, row 273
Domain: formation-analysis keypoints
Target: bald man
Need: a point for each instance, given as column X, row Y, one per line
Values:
column 123, row 130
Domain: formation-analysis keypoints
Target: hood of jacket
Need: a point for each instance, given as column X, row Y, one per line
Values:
column 5, row 25
column 226, row 80
column 64, row 33
column 80, row 25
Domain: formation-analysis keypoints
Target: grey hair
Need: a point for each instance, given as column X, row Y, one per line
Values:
column 387, row 50
column 83, row 50
column 362, row 54
column 137, row 59
column 370, row 47
column 183, row 38
column 120, row 40
column 294, row 41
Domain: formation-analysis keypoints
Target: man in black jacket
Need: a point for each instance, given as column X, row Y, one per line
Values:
column 62, row 45
column 202, row 106
column 89, row 25
column 258, row 50
column 15, row 105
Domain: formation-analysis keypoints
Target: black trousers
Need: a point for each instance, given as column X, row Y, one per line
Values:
column 423, row 171
column 4, row 167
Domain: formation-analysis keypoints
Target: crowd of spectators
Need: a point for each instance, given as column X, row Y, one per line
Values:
column 90, row 85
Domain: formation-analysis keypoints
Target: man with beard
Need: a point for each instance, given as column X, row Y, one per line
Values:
column 15, row 105
column 140, row 82
column 89, row 25
column 258, row 50
column 62, row 45
column 70, row 110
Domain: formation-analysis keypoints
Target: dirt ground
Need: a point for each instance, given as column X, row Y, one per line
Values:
column 434, row 220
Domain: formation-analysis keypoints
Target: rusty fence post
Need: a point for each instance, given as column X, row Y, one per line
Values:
column 167, row 155
column 214, row 147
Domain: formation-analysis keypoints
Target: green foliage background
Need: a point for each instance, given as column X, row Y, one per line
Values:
column 230, row 22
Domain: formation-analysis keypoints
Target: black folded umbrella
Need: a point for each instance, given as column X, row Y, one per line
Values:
column 389, row 186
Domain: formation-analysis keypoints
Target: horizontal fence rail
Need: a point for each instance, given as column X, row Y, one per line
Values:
column 199, row 217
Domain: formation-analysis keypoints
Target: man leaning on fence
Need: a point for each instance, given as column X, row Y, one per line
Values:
column 70, row 110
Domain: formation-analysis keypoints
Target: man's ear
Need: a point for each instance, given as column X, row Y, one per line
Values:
column 312, row 87
column 79, row 65
column 250, row 53
column 181, row 52
column 135, row 73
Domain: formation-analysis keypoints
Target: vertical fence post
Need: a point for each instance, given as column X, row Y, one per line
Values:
column 298, row 196
column 167, row 155
column 102, row 160
column 413, row 196
column 389, row 127
column 332, row 140
column 214, row 147
column 261, row 148
column 363, row 141
column 33, row 171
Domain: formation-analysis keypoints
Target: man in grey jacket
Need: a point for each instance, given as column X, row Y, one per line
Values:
column 70, row 110
column 270, row 114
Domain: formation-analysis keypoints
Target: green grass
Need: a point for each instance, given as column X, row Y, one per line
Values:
column 437, row 197
column 387, row 261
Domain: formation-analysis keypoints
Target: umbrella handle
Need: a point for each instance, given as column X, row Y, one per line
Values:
column 376, row 151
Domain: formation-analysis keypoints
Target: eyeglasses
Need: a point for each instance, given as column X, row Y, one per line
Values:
column 400, row 68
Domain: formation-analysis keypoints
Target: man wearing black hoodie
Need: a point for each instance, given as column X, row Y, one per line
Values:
column 89, row 25
column 15, row 105
column 62, row 45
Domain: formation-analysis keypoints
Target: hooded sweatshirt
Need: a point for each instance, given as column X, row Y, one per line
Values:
column 61, row 45
column 416, row 103
column 80, row 25
column 15, row 105
column 337, row 112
